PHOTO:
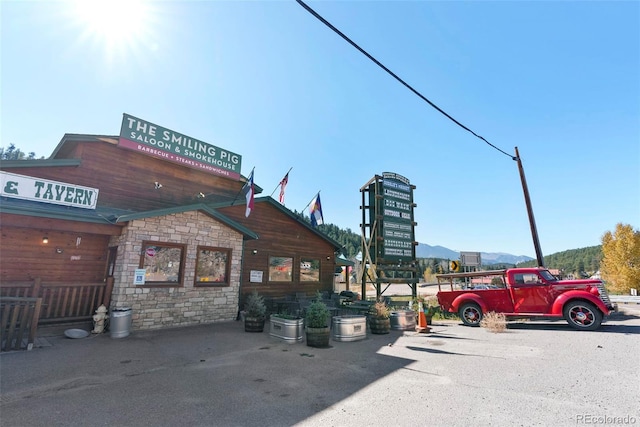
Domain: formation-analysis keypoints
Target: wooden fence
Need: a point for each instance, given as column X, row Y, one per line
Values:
column 62, row 302
column 18, row 322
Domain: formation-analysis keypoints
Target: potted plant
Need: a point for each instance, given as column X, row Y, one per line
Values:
column 429, row 312
column 379, row 321
column 255, row 311
column 287, row 327
column 316, row 317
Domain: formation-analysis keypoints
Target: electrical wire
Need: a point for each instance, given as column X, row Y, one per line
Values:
column 379, row 64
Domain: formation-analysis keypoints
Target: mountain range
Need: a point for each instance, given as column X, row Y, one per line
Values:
column 427, row 251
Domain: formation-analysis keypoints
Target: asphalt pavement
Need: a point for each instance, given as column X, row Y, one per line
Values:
column 535, row 373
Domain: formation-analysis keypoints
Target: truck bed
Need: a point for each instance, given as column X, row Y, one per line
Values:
column 497, row 300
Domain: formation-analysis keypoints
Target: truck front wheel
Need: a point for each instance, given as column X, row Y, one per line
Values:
column 582, row 315
column 471, row 314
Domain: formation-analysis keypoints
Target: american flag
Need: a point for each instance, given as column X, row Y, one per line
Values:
column 283, row 185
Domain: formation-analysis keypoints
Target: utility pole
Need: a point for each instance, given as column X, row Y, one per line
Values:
column 532, row 220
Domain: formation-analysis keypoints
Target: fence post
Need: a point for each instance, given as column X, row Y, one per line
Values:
column 107, row 292
column 34, row 323
column 35, row 290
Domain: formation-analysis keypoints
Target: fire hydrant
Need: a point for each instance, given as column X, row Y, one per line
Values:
column 98, row 320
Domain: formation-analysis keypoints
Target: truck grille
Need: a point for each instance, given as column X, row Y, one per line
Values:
column 604, row 296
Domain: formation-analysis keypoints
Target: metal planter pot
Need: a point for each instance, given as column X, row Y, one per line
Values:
column 404, row 320
column 288, row 330
column 349, row 327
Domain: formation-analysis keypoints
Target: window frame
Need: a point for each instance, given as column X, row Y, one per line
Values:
column 290, row 280
column 227, row 269
column 164, row 284
column 311, row 260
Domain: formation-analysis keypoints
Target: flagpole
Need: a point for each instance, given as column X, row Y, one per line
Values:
column 236, row 198
column 314, row 197
column 274, row 190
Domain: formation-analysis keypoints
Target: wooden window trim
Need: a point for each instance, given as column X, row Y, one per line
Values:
column 183, row 259
column 292, row 258
column 310, row 258
column 205, row 284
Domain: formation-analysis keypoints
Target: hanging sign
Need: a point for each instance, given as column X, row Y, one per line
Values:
column 145, row 137
column 47, row 191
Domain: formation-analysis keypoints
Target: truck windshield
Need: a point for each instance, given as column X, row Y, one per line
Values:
column 547, row 276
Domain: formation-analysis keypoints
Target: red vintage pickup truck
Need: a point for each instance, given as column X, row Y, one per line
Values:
column 524, row 293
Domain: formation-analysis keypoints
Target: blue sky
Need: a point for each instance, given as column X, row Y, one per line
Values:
column 265, row 79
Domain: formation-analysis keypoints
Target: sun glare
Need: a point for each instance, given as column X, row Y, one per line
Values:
column 118, row 25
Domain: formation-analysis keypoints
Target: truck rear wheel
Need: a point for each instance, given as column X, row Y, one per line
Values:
column 470, row 314
column 582, row 315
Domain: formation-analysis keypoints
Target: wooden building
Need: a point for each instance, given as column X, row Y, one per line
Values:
column 167, row 240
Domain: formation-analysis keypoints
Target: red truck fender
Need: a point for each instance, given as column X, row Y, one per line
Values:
column 467, row 297
column 559, row 303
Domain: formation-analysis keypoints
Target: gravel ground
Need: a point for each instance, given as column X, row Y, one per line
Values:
column 535, row 373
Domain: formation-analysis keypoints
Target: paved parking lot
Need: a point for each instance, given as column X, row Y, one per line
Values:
column 535, row 373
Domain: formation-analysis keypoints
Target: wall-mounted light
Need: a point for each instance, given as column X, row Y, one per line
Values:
column 328, row 258
column 59, row 250
column 45, row 240
column 255, row 251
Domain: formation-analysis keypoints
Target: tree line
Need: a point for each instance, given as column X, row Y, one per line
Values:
column 13, row 153
column 617, row 258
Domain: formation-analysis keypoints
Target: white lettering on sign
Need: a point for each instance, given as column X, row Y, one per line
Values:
column 397, row 194
column 47, row 191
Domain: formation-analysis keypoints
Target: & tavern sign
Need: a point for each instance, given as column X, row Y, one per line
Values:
column 47, row 191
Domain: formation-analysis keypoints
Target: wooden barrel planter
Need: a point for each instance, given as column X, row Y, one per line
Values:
column 288, row 330
column 318, row 337
column 403, row 320
column 379, row 326
column 349, row 327
column 253, row 324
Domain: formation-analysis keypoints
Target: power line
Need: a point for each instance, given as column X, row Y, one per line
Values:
column 379, row 64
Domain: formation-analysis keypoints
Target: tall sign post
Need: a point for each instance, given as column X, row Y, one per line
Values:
column 388, row 233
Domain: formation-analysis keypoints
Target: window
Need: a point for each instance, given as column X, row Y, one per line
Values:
column 532, row 278
column 163, row 263
column 213, row 266
column 309, row 270
column 280, row 269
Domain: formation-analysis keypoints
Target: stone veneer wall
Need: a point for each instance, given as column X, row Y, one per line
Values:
column 154, row 308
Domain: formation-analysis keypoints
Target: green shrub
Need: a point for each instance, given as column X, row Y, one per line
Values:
column 255, row 305
column 317, row 313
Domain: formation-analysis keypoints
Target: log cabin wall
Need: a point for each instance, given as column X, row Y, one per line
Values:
column 67, row 273
column 126, row 178
column 281, row 236
column 67, row 257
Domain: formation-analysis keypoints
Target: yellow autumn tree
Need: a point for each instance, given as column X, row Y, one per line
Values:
column 620, row 266
column 429, row 276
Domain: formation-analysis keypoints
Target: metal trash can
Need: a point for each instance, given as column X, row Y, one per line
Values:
column 120, row 322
